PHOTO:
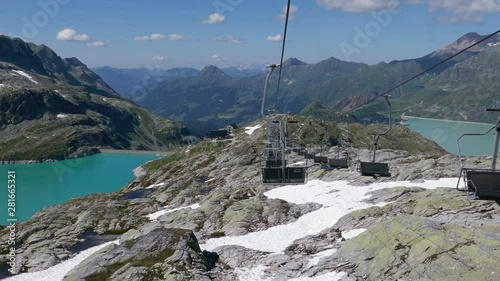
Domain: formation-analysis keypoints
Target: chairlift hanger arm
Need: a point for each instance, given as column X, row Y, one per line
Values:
column 469, row 135
column 390, row 118
column 264, row 97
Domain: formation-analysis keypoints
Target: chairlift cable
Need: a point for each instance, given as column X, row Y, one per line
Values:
column 423, row 72
column 283, row 51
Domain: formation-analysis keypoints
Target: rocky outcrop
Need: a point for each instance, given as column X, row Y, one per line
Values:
column 160, row 254
column 428, row 235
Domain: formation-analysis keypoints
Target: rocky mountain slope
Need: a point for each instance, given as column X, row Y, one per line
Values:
column 461, row 91
column 53, row 108
column 414, row 233
column 134, row 83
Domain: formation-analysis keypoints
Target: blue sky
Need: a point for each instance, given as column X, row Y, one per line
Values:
column 196, row 33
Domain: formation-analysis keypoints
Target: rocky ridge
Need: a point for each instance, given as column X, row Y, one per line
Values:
column 55, row 109
column 223, row 178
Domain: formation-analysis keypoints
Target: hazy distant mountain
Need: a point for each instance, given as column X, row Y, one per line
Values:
column 53, row 108
column 134, row 83
column 244, row 70
column 216, row 97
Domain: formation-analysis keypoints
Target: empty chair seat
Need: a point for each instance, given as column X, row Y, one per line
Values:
column 484, row 183
column 292, row 175
column 321, row 159
column 375, row 169
column 338, row 163
column 309, row 156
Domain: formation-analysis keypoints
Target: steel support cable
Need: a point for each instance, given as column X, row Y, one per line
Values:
column 282, row 51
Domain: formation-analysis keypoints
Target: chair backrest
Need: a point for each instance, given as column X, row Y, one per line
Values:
column 309, row 156
column 292, row 175
column 321, row 159
column 375, row 169
column 274, row 163
column 338, row 163
column 484, row 183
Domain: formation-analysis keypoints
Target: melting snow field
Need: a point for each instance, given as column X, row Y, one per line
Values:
column 317, row 257
column 257, row 274
column 353, row 233
column 156, row 215
column 250, row 130
column 338, row 199
column 57, row 272
column 22, row 73
column 155, row 185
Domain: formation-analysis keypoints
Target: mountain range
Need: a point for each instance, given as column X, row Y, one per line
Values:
column 212, row 98
column 135, row 83
column 53, row 108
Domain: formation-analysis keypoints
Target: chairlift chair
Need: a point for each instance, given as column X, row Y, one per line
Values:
column 373, row 168
column 309, row 154
column 339, row 162
column 482, row 183
column 320, row 158
column 276, row 169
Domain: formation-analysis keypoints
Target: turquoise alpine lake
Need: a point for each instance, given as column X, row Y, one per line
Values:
column 42, row 185
column 445, row 133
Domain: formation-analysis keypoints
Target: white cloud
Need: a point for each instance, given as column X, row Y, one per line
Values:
column 176, row 37
column 69, row 34
column 293, row 12
column 214, row 19
column 359, row 6
column 216, row 58
column 229, row 39
column 152, row 37
column 156, row 36
column 159, row 58
column 456, row 11
column 460, row 11
column 142, row 38
column 276, row 38
column 97, row 44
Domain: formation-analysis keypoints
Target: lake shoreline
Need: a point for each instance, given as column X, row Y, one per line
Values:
column 141, row 152
column 447, row 120
column 104, row 151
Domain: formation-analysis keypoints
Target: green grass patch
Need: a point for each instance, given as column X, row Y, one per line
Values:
column 155, row 165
